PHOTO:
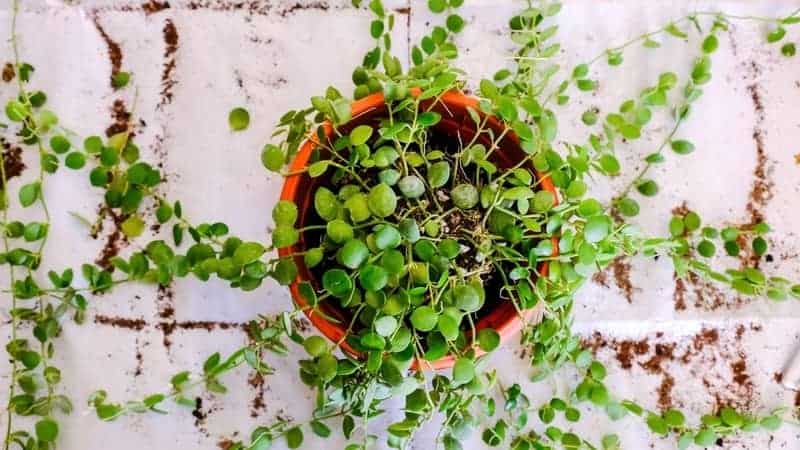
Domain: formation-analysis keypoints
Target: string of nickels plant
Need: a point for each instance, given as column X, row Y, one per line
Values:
column 725, row 422
column 374, row 252
column 264, row 334
column 34, row 124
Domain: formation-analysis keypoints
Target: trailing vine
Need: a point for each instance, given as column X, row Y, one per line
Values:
column 411, row 233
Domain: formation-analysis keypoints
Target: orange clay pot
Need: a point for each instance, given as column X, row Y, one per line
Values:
column 300, row 188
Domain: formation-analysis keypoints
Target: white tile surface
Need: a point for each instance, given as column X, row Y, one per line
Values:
column 271, row 56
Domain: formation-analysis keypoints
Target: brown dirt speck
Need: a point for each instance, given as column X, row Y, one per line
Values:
column 120, row 322
column 225, row 444
column 115, row 241
column 114, row 50
column 168, row 81
column 12, row 159
column 257, row 404
column 620, row 269
column 322, row 6
column 8, row 72
column 154, row 6
column 679, row 296
column 121, row 118
column 665, row 392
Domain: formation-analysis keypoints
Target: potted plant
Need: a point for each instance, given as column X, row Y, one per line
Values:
column 393, row 242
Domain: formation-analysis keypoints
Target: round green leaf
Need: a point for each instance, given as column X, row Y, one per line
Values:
column 411, row 186
column 60, row 144
column 284, row 213
column 682, row 147
column 647, row 188
column 596, row 229
column 294, row 437
column 448, row 326
column 353, row 253
column 339, row 231
column 238, row 119
column 47, row 430
column 466, row 298
column 424, row 318
column 382, row 200
column 360, row 135
column 393, row 261
column 315, row 346
column 385, row 325
column 373, row 278
column 75, row 160
column 463, row 371
column 488, row 339
column 373, row 341
column 272, row 157
column 358, row 206
column 438, row 174
column 337, row 283
column 465, row 196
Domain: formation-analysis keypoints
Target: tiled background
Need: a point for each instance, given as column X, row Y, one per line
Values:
column 665, row 342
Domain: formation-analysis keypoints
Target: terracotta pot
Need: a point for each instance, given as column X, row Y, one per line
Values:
column 300, row 189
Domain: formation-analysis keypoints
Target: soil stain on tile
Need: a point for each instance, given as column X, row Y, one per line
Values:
column 12, row 159
column 717, row 359
column 620, row 270
column 8, row 72
column 168, row 82
column 114, row 50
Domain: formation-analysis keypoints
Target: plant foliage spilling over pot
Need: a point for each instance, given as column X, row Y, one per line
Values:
column 418, row 228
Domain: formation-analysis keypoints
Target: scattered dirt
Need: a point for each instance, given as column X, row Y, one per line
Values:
column 681, row 210
column 225, row 444
column 139, row 358
column 627, row 351
column 740, row 375
column 209, row 325
column 301, row 324
column 620, row 268
column 166, row 312
column 120, row 322
column 114, row 50
column 199, row 415
column 714, row 356
column 121, row 118
column 115, row 241
column 253, row 7
column 665, row 392
column 706, row 337
column 8, row 72
column 706, row 295
column 664, row 352
column 679, row 296
column 288, row 11
column 761, row 191
column 167, row 76
column 154, row 6
column 257, row 404
column 12, row 160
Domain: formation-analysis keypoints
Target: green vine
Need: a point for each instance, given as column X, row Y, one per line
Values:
column 387, row 247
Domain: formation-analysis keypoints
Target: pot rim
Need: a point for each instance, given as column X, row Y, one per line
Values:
column 507, row 327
